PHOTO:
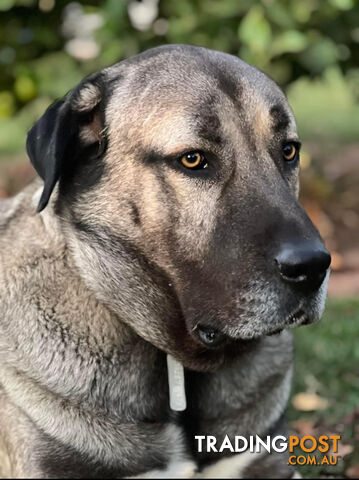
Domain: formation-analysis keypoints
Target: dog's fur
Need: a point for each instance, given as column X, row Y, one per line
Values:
column 131, row 254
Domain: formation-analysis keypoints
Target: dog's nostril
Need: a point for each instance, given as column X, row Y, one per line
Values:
column 304, row 264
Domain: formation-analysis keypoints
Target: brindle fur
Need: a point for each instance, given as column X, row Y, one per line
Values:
column 130, row 254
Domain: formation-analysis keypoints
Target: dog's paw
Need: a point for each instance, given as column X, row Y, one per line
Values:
column 176, row 469
column 181, row 469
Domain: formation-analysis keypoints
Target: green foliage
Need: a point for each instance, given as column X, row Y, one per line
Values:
column 327, row 363
column 326, row 107
column 323, row 353
column 290, row 40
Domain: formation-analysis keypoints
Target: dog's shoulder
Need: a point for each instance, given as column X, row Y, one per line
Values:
column 42, row 291
column 25, row 235
column 32, row 251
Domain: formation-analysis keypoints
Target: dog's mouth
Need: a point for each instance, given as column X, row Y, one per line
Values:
column 213, row 338
column 296, row 319
column 300, row 317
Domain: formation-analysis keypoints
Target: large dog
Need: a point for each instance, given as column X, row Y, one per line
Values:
column 167, row 222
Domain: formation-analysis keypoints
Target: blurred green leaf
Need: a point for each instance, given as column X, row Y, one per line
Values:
column 56, row 74
column 320, row 55
column 6, row 4
column 302, row 11
column 289, row 41
column 280, row 15
column 229, row 9
column 342, row 4
column 254, row 30
column 25, row 88
column 325, row 107
column 7, row 105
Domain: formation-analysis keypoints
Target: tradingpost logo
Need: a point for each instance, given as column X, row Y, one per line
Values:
column 306, row 450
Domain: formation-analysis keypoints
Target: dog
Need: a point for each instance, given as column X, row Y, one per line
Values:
column 165, row 221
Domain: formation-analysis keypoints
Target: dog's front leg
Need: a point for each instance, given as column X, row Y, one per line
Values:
column 177, row 468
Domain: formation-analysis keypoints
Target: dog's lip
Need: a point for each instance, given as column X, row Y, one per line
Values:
column 214, row 338
column 299, row 317
column 276, row 331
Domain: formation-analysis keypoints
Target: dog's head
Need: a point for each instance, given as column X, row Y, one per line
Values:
column 178, row 183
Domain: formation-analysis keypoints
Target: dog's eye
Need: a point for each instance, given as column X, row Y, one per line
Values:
column 193, row 160
column 290, row 151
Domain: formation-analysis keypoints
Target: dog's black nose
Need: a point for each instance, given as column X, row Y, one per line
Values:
column 304, row 264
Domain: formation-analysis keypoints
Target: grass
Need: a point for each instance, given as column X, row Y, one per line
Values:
column 327, row 363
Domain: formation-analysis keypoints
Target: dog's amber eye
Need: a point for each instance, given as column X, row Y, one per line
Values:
column 193, row 160
column 289, row 151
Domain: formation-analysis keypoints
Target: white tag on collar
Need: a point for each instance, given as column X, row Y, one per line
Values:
column 176, row 386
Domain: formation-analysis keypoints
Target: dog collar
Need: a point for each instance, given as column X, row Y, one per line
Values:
column 176, row 385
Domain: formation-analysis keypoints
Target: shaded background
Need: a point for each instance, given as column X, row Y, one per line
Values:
column 311, row 48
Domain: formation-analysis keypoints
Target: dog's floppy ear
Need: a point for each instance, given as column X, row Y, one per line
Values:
column 67, row 128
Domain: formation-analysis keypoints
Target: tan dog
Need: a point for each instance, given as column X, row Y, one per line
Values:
column 173, row 228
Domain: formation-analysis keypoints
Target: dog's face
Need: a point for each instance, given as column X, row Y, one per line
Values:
column 186, row 221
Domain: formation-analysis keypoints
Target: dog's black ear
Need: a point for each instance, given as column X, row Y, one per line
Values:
column 64, row 131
